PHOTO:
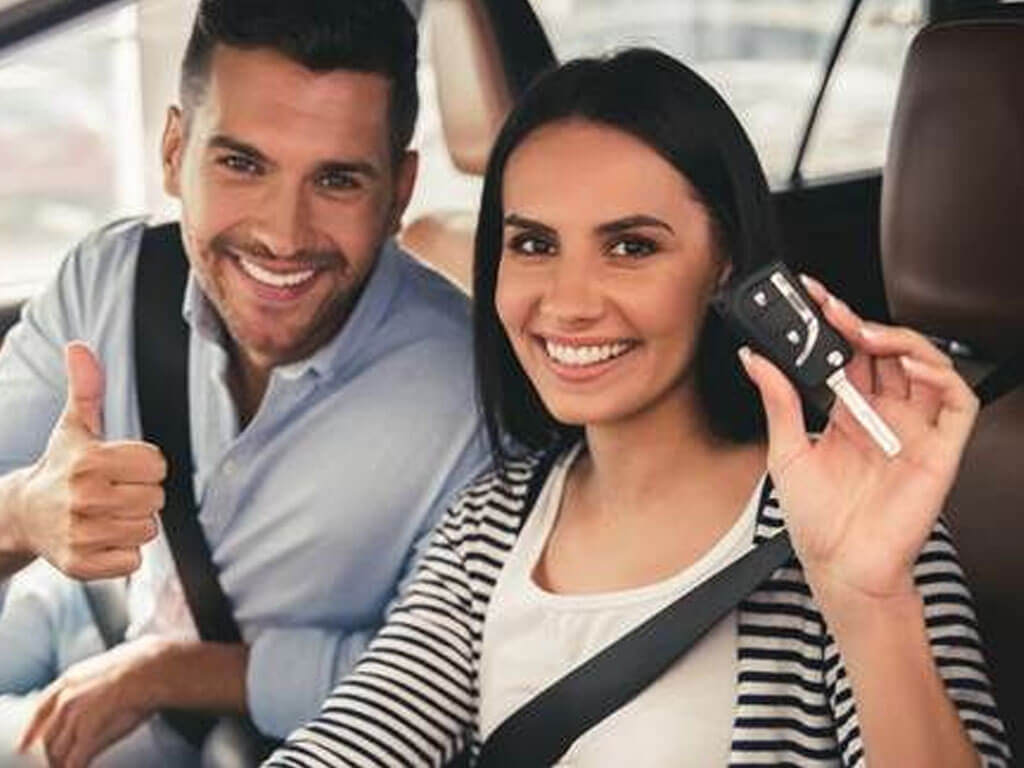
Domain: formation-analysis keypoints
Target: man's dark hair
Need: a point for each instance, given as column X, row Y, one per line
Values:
column 376, row 36
column 672, row 110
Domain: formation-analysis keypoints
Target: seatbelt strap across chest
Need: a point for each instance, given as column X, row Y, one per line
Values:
column 161, row 345
column 545, row 727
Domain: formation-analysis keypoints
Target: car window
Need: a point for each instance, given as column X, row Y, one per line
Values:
column 853, row 125
column 70, row 142
column 767, row 58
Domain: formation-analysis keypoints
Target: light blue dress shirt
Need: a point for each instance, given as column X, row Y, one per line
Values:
column 312, row 511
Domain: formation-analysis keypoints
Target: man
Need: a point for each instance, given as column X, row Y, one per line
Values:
column 331, row 400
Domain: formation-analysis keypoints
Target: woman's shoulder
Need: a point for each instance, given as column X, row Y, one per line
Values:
column 497, row 503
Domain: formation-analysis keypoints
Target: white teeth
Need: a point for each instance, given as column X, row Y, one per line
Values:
column 275, row 279
column 581, row 356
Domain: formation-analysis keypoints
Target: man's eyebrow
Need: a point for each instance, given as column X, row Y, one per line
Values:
column 361, row 167
column 521, row 222
column 221, row 141
column 631, row 222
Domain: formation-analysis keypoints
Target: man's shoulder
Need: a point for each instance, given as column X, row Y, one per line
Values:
column 118, row 239
column 94, row 278
column 106, row 256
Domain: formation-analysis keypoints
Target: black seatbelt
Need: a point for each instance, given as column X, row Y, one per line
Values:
column 161, row 369
column 546, row 726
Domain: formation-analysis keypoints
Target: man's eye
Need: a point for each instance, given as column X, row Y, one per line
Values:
column 239, row 164
column 633, row 247
column 531, row 245
column 338, row 180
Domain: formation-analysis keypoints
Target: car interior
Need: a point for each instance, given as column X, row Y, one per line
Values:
column 932, row 240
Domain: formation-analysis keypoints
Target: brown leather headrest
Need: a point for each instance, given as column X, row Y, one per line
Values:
column 472, row 87
column 953, row 188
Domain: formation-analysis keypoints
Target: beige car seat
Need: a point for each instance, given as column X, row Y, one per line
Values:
column 474, row 95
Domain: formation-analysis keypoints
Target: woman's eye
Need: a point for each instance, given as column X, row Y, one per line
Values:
column 633, row 248
column 239, row 164
column 531, row 245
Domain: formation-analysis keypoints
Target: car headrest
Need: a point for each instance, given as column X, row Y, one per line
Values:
column 473, row 89
column 952, row 218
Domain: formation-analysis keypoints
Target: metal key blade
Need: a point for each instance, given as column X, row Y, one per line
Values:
column 863, row 412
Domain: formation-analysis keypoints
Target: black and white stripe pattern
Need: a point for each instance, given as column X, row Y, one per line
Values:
column 412, row 699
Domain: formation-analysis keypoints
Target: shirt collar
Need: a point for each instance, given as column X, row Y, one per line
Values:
column 370, row 310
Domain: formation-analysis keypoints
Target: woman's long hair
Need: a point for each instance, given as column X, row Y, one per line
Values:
column 672, row 110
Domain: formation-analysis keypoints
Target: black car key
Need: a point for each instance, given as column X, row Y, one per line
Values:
column 770, row 310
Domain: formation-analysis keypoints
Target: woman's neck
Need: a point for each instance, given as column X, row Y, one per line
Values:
column 649, row 497
column 666, row 454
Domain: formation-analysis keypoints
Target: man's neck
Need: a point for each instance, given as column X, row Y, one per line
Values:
column 248, row 380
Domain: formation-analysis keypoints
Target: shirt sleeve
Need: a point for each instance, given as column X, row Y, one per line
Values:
column 957, row 648
column 32, row 371
column 292, row 670
column 411, row 699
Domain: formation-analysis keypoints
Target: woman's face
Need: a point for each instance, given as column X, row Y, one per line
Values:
column 607, row 266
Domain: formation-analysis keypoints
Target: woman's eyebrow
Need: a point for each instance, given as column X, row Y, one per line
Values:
column 521, row 222
column 631, row 222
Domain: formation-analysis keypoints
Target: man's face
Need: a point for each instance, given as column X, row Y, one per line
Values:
column 288, row 188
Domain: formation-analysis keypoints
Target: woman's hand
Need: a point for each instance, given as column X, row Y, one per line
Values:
column 858, row 519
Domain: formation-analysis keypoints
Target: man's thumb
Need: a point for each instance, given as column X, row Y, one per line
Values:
column 85, row 388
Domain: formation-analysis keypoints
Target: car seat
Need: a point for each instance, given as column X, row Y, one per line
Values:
column 952, row 229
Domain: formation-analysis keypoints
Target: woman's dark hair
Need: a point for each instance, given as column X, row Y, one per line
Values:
column 376, row 36
column 670, row 108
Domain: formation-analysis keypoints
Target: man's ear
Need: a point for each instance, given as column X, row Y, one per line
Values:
column 405, row 182
column 172, row 149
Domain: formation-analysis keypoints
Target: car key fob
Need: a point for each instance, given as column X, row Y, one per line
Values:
column 771, row 310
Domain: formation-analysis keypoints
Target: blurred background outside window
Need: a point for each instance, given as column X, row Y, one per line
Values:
column 767, row 58
column 82, row 108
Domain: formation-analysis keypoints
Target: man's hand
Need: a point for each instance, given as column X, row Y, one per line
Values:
column 94, row 704
column 87, row 506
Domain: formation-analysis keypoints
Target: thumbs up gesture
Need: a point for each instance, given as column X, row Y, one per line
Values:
column 88, row 505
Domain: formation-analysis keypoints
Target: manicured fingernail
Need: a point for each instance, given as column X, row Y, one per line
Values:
column 868, row 333
column 744, row 353
column 809, row 282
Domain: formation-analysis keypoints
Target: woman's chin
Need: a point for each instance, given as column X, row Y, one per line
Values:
column 586, row 414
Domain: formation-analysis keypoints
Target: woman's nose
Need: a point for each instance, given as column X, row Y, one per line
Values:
column 573, row 293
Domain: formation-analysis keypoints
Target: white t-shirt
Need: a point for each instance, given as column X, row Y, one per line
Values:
column 533, row 637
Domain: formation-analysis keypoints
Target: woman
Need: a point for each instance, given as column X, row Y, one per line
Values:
column 619, row 196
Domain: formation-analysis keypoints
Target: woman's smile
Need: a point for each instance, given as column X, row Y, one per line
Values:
column 583, row 359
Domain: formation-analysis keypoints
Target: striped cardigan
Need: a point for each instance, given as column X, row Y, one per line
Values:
column 412, row 698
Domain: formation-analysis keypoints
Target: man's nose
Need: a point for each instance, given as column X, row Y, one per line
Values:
column 285, row 224
column 573, row 294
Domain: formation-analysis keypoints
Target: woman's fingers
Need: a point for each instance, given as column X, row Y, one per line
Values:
column 896, row 341
column 859, row 370
column 890, row 378
column 958, row 404
column 877, row 369
column 787, row 435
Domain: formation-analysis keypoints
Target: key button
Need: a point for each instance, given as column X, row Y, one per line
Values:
column 793, row 337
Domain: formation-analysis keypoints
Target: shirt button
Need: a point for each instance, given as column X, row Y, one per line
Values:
column 230, row 467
